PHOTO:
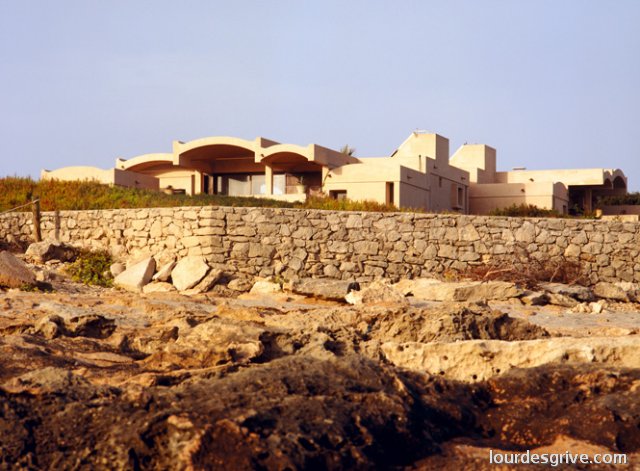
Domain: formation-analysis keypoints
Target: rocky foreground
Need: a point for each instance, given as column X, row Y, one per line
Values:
column 407, row 377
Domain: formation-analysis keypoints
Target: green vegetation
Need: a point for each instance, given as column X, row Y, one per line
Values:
column 525, row 211
column 15, row 191
column 59, row 195
column 629, row 198
column 92, row 268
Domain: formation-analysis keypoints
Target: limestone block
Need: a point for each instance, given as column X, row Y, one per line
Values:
column 188, row 272
column 137, row 276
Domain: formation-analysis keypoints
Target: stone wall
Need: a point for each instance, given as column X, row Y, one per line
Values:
column 348, row 245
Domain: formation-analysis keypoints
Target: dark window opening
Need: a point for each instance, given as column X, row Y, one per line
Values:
column 338, row 194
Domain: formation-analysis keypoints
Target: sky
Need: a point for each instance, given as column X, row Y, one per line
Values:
column 548, row 83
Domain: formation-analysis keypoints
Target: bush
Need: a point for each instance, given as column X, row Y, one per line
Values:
column 525, row 210
column 92, row 268
column 526, row 271
column 628, row 199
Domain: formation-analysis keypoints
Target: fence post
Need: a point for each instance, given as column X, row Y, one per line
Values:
column 37, row 234
column 57, row 224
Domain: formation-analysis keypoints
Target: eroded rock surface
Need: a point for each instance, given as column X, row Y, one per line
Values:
column 115, row 379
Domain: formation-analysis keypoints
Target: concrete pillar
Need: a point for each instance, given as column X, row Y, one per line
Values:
column 268, row 177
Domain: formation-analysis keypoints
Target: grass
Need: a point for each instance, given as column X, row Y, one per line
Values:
column 79, row 195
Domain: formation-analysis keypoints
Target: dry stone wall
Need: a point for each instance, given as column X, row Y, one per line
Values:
column 342, row 245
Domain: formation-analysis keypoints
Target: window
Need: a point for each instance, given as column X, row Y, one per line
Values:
column 440, row 182
column 338, row 194
column 389, row 193
column 457, row 196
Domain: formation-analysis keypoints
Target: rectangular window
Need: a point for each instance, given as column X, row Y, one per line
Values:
column 338, row 194
column 460, row 197
column 389, row 193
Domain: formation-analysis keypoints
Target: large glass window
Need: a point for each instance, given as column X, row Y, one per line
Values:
column 246, row 185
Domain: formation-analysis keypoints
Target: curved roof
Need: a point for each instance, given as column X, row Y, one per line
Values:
column 126, row 164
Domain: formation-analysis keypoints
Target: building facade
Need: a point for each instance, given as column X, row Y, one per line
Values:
column 418, row 174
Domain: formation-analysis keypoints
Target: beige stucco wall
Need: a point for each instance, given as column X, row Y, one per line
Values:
column 485, row 198
column 477, row 159
column 587, row 176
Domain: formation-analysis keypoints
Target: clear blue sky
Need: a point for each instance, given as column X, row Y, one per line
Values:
column 549, row 83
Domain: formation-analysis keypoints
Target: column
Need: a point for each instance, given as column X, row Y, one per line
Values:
column 268, row 177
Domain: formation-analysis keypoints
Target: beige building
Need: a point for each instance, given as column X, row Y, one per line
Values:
column 418, row 174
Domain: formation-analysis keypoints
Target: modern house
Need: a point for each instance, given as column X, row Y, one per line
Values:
column 418, row 174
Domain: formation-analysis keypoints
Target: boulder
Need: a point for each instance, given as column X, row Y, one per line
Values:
column 46, row 250
column 613, row 292
column 206, row 283
column 579, row 293
column 137, row 276
column 265, row 287
column 158, row 287
column 14, row 273
column 324, row 288
column 378, row 292
column 117, row 268
column 188, row 272
column 165, row 272
column 465, row 291
column 240, row 284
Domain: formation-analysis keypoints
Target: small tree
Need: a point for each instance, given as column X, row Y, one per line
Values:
column 348, row 150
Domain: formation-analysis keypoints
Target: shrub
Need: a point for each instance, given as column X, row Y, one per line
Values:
column 525, row 210
column 526, row 271
column 630, row 199
column 92, row 268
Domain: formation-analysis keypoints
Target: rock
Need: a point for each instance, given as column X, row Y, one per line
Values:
column 478, row 360
column 579, row 293
column 535, row 298
column 407, row 287
column 207, row 282
column 631, row 289
column 188, row 272
column 598, row 307
column 117, row 268
column 610, row 291
column 45, row 380
column 469, row 291
column 378, row 292
column 265, row 287
column 50, row 327
column 324, row 288
column 137, row 276
column 14, row 273
column 165, row 272
column 46, row 250
column 561, row 300
column 240, row 284
column 158, row 287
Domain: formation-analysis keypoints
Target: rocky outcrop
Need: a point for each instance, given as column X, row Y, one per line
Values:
column 14, row 273
column 479, row 360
